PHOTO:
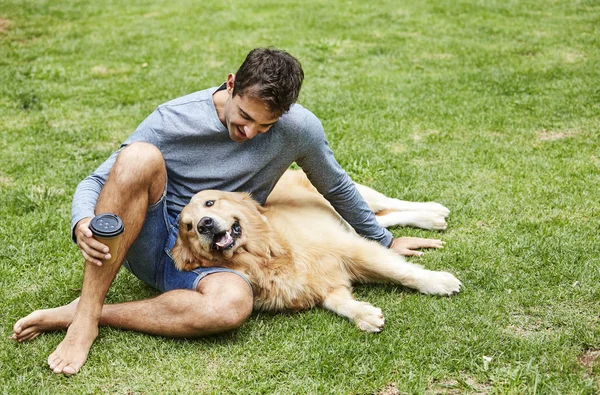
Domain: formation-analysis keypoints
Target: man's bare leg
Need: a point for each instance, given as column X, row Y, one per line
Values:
column 136, row 180
column 222, row 301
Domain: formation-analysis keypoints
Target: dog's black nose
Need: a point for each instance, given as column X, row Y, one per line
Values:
column 206, row 225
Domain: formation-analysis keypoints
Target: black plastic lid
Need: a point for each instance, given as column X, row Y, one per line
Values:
column 106, row 225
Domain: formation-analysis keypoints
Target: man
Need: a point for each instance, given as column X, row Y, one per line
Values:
column 212, row 139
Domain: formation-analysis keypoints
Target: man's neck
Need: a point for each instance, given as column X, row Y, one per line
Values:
column 220, row 100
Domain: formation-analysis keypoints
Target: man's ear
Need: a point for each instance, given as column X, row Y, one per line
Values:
column 230, row 83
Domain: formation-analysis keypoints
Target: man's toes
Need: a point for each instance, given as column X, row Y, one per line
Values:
column 17, row 328
column 58, row 365
column 54, row 360
column 29, row 337
column 66, row 367
column 69, row 370
column 72, row 368
column 26, row 332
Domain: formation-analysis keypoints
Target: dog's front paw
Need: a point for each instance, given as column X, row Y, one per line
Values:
column 440, row 283
column 430, row 220
column 437, row 208
column 369, row 319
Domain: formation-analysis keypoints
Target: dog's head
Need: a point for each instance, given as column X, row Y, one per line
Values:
column 216, row 226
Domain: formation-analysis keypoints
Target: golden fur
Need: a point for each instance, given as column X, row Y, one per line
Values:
column 297, row 252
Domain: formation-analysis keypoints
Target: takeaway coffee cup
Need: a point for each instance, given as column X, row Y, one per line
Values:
column 107, row 229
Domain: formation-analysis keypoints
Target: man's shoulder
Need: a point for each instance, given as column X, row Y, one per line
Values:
column 190, row 99
column 189, row 114
column 299, row 117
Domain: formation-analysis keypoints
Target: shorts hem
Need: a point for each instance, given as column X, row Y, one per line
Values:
column 208, row 271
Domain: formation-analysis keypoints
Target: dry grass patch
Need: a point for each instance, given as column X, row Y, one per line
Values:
column 458, row 386
column 5, row 181
column 438, row 56
column 525, row 326
column 103, row 71
column 4, row 24
column 389, row 389
column 397, row 148
column 423, row 134
column 589, row 359
column 552, row 135
column 572, row 57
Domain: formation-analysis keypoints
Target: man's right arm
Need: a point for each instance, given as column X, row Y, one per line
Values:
column 87, row 192
column 82, row 212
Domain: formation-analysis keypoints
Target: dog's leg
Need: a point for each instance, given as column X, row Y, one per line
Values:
column 378, row 202
column 373, row 263
column 416, row 219
column 366, row 317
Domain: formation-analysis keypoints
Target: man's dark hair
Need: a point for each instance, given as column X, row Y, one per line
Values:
column 272, row 76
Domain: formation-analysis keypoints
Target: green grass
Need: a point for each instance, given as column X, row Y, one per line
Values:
column 490, row 108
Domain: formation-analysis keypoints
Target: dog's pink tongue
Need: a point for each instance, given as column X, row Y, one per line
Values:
column 225, row 240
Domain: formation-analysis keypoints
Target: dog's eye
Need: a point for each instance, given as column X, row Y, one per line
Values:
column 236, row 229
column 188, row 226
column 209, row 203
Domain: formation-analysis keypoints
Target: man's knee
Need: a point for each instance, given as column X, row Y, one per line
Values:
column 140, row 166
column 138, row 161
column 231, row 298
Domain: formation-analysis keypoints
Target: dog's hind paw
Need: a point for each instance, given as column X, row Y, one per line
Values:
column 440, row 283
column 370, row 319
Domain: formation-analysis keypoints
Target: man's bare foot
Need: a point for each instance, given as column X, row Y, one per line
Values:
column 40, row 321
column 407, row 246
column 72, row 352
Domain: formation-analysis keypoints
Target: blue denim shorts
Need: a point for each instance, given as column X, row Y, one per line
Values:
column 149, row 258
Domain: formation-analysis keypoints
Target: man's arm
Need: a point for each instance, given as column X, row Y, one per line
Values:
column 319, row 164
column 87, row 192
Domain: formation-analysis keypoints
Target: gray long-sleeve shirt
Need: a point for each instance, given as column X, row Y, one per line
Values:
column 199, row 154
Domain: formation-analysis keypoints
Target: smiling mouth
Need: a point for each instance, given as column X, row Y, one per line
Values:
column 223, row 241
column 241, row 132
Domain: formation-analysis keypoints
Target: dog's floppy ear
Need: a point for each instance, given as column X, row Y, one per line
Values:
column 182, row 256
column 248, row 199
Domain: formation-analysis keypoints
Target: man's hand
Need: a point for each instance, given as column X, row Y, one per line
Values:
column 92, row 250
column 407, row 245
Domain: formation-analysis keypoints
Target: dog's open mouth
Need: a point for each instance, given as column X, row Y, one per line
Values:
column 225, row 240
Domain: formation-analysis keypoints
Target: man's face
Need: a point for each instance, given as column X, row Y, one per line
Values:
column 245, row 116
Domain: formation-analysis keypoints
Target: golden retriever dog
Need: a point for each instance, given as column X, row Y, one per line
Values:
column 297, row 252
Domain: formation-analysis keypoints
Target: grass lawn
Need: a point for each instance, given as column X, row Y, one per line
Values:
column 491, row 108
